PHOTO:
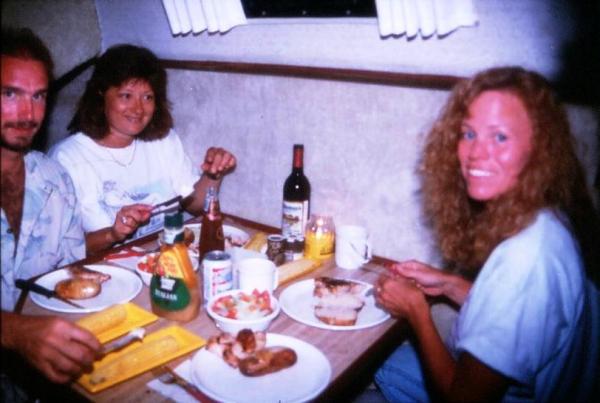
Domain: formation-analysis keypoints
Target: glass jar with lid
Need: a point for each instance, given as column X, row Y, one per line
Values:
column 319, row 238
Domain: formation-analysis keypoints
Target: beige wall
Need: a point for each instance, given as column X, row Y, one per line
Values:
column 362, row 143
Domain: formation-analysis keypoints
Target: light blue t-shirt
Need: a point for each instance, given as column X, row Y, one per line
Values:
column 51, row 233
column 530, row 315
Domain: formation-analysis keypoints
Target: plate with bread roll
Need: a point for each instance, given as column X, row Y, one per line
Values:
column 255, row 366
column 93, row 287
column 332, row 303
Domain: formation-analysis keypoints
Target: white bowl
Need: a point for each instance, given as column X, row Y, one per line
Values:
column 233, row 326
column 147, row 277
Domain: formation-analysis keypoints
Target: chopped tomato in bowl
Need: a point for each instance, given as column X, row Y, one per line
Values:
column 235, row 310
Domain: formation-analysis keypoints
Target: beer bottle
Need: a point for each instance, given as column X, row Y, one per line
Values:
column 211, row 231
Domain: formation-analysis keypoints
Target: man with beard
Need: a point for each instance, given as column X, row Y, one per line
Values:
column 40, row 225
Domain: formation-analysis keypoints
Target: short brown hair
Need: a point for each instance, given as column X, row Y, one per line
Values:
column 116, row 66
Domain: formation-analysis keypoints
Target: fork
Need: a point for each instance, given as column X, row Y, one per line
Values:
column 168, row 376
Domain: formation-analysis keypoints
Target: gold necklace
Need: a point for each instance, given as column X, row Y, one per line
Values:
column 123, row 164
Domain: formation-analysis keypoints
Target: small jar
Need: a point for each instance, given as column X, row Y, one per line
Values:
column 319, row 237
column 290, row 243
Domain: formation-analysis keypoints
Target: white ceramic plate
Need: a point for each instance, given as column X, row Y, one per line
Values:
column 297, row 302
column 122, row 287
column 299, row 383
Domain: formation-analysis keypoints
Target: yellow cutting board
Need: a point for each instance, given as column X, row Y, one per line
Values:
column 186, row 342
column 136, row 317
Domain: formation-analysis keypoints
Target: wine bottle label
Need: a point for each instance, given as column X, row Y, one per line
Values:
column 294, row 218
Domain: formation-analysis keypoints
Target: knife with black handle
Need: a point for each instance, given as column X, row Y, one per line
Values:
column 38, row 289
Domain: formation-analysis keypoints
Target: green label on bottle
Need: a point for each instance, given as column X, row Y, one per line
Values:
column 168, row 293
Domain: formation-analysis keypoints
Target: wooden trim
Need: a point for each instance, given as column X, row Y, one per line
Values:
column 72, row 74
column 428, row 81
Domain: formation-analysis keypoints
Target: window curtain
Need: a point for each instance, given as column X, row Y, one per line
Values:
column 423, row 17
column 196, row 16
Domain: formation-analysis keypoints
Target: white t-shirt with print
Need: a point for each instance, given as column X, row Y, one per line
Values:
column 107, row 179
column 530, row 314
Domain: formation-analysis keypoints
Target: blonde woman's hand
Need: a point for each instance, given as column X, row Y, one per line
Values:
column 430, row 280
column 218, row 162
column 400, row 296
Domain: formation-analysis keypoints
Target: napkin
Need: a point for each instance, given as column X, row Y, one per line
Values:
column 177, row 393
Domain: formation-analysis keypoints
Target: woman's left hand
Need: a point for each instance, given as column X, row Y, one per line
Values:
column 218, row 162
column 400, row 296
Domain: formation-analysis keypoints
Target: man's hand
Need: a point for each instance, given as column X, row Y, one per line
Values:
column 58, row 348
column 218, row 162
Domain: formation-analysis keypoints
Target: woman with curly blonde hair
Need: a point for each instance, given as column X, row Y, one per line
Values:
column 516, row 226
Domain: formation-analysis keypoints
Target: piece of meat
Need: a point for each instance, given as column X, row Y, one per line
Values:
column 247, row 340
column 85, row 273
column 77, row 288
column 268, row 360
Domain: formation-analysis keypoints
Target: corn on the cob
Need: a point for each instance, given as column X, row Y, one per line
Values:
column 257, row 241
column 100, row 321
column 290, row 270
column 134, row 359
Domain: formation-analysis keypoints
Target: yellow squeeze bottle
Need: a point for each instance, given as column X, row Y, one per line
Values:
column 174, row 290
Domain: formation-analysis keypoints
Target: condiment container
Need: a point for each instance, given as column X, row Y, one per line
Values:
column 174, row 290
column 319, row 238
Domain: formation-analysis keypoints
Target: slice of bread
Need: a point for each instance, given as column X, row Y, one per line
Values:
column 337, row 301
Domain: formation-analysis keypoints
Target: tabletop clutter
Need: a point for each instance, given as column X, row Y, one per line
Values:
column 238, row 295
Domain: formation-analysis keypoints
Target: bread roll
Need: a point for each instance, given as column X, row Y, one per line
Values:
column 77, row 288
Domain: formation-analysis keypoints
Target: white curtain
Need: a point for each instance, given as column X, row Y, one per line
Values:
column 424, row 17
column 195, row 16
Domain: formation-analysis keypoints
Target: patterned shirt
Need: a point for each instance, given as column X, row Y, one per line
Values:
column 51, row 233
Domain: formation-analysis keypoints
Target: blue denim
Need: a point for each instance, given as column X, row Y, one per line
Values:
column 400, row 378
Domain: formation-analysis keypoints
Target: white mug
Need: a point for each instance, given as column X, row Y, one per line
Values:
column 257, row 273
column 352, row 247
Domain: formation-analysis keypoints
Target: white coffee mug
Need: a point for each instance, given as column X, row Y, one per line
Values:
column 256, row 273
column 352, row 246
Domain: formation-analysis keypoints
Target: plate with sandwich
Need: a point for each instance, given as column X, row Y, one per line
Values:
column 332, row 303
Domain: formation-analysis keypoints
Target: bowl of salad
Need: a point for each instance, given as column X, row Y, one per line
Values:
column 235, row 310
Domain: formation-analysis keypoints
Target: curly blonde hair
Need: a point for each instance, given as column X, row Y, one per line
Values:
column 468, row 230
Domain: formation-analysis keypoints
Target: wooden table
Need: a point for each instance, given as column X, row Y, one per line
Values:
column 354, row 355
